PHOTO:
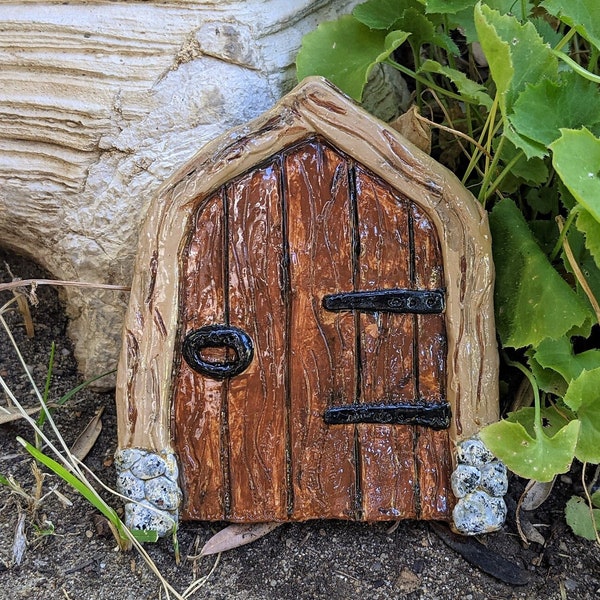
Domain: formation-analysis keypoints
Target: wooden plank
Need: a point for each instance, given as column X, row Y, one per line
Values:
column 386, row 346
column 433, row 447
column 197, row 399
column 321, row 351
column 257, row 397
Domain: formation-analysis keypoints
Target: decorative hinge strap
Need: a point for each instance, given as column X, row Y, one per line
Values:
column 392, row 300
column 436, row 416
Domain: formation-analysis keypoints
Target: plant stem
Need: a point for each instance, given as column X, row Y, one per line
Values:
column 589, row 501
column 537, row 419
column 577, row 67
column 428, row 83
column 492, row 188
column 565, row 40
column 487, row 126
column 563, row 232
column 577, row 272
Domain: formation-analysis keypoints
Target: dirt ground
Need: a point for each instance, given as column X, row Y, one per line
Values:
column 333, row 560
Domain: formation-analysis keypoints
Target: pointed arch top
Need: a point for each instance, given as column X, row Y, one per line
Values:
column 315, row 107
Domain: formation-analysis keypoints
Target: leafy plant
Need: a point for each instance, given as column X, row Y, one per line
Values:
column 520, row 80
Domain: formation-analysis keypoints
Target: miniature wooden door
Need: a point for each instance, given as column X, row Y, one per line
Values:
column 311, row 370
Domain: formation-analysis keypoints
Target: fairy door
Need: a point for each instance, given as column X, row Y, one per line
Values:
column 311, row 374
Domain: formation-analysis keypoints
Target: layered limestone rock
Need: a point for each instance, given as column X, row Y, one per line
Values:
column 102, row 101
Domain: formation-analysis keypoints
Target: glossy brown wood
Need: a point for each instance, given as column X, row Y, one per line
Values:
column 432, row 448
column 321, row 354
column 264, row 252
column 388, row 470
column 256, row 398
column 197, row 402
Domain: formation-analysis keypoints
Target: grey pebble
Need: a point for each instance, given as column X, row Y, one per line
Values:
column 465, row 479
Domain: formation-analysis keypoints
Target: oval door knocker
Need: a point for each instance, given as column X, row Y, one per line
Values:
column 218, row 336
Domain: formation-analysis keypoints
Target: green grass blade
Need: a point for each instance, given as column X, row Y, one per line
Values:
column 89, row 494
column 63, row 399
column 42, row 416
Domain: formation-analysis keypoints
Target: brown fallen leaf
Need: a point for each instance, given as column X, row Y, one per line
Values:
column 413, row 129
column 87, row 438
column 530, row 531
column 535, row 494
column 12, row 413
column 408, row 581
column 236, row 535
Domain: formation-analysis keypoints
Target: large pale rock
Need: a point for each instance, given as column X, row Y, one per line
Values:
column 100, row 102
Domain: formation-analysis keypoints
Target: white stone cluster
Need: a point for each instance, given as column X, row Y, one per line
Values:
column 149, row 480
column 479, row 482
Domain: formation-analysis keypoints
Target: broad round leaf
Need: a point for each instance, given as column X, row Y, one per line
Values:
column 576, row 158
column 583, row 396
column 533, row 302
column 543, row 108
column 583, row 15
column 345, row 51
column 579, row 518
column 539, row 458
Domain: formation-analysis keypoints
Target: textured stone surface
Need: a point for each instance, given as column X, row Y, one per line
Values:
column 479, row 482
column 100, row 104
column 465, row 479
column 150, row 482
column 479, row 513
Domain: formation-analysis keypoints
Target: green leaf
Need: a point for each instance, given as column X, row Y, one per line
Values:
column 553, row 420
column 466, row 87
column 379, row 14
column 559, row 356
column 576, row 158
column 454, row 6
column 345, row 51
column 143, row 535
column 548, row 380
column 4, row 480
column 420, row 27
column 583, row 396
column 547, row 32
column 532, row 171
column 540, row 457
column 448, row 6
column 544, row 200
column 596, row 499
column 583, row 15
column 517, row 55
column 579, row 518
column 591, row 229
column 544, row 107
column 532, row 301
column 89, row 494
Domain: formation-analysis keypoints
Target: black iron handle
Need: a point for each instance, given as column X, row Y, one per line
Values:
column 435, row 415
column 391, row 300
column 218, row 336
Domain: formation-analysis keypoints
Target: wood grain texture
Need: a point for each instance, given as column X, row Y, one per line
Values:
column 432, row 448
column 387, row 354
column 197, row 402
column 321, row 344
column 257, row 397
